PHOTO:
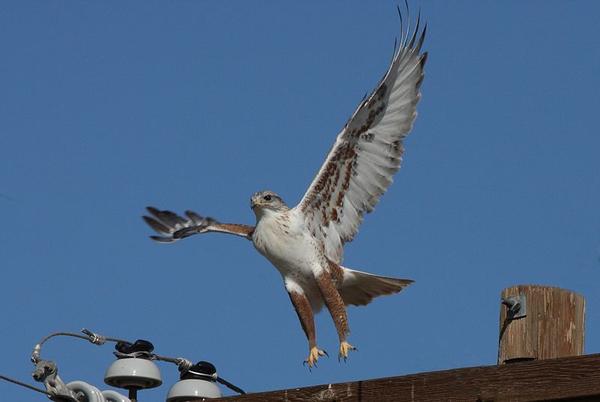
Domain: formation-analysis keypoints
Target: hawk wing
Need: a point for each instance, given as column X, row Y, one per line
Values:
column 367, row 152
column 172, row 227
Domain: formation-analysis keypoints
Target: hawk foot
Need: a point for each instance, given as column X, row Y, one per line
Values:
column 345, row 347
column 313, row 356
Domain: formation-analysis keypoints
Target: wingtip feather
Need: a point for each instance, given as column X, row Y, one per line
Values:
column 152, row 210
column 162, row 239
column 156, row 225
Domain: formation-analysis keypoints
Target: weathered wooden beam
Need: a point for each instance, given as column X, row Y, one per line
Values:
column 548, row 323
column 540, row 380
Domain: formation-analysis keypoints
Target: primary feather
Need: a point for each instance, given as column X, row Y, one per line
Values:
column 367, row 152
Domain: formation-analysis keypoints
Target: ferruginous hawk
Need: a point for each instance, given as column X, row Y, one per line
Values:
column 305, row 243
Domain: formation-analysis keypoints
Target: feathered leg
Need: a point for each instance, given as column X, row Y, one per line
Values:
column 306, row 317
column 337, row 309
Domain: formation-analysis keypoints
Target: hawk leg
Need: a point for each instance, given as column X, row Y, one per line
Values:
column 306, row 317
column 337, row 309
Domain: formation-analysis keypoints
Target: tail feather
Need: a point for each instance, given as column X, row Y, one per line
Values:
column 359, row 288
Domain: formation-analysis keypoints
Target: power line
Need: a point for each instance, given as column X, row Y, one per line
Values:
column 31, row 387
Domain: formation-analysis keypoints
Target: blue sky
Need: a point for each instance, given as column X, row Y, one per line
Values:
column 106, row 107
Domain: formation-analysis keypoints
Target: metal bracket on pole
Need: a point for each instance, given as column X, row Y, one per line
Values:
column 46, row 372
column 517, row 306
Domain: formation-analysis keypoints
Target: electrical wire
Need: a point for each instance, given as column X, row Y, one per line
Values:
column 182, row 363
column 31, row 387
column 88, row 336
column 185, row 365
column 230, row 386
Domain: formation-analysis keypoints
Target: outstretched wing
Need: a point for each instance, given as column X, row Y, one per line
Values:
column 367, row 152
column 172, row 227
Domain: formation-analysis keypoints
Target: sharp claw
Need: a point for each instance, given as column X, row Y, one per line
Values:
column 345, row 347
column 313, row 357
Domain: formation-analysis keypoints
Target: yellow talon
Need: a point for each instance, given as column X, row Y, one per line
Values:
column 345, row 347
column 313, row 356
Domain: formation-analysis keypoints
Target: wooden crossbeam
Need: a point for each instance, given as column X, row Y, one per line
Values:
column 543, row 380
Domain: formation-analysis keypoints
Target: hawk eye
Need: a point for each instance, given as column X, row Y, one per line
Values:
column 267, row 197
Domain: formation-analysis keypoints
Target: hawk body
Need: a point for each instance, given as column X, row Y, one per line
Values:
column 283, row 239
column 305, row 243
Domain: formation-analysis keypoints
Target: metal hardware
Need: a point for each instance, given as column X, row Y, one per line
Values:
column 46, row 372
column 517, row 306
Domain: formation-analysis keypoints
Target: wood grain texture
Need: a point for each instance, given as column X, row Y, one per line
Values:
column 571, row 378
column 553, row 327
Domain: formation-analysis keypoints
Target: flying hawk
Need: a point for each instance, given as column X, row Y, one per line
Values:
column 305, row 243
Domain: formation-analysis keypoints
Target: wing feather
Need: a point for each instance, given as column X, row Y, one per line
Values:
column 172, row 227
column 367, row 152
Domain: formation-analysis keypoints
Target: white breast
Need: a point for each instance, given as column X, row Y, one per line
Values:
column 283, row 239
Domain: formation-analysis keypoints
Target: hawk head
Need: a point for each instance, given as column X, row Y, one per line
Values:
column 267, row 200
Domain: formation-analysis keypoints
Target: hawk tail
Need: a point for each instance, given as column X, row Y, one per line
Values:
column 359, row 288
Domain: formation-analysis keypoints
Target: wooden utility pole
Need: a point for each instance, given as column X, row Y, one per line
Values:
column 540, row 322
